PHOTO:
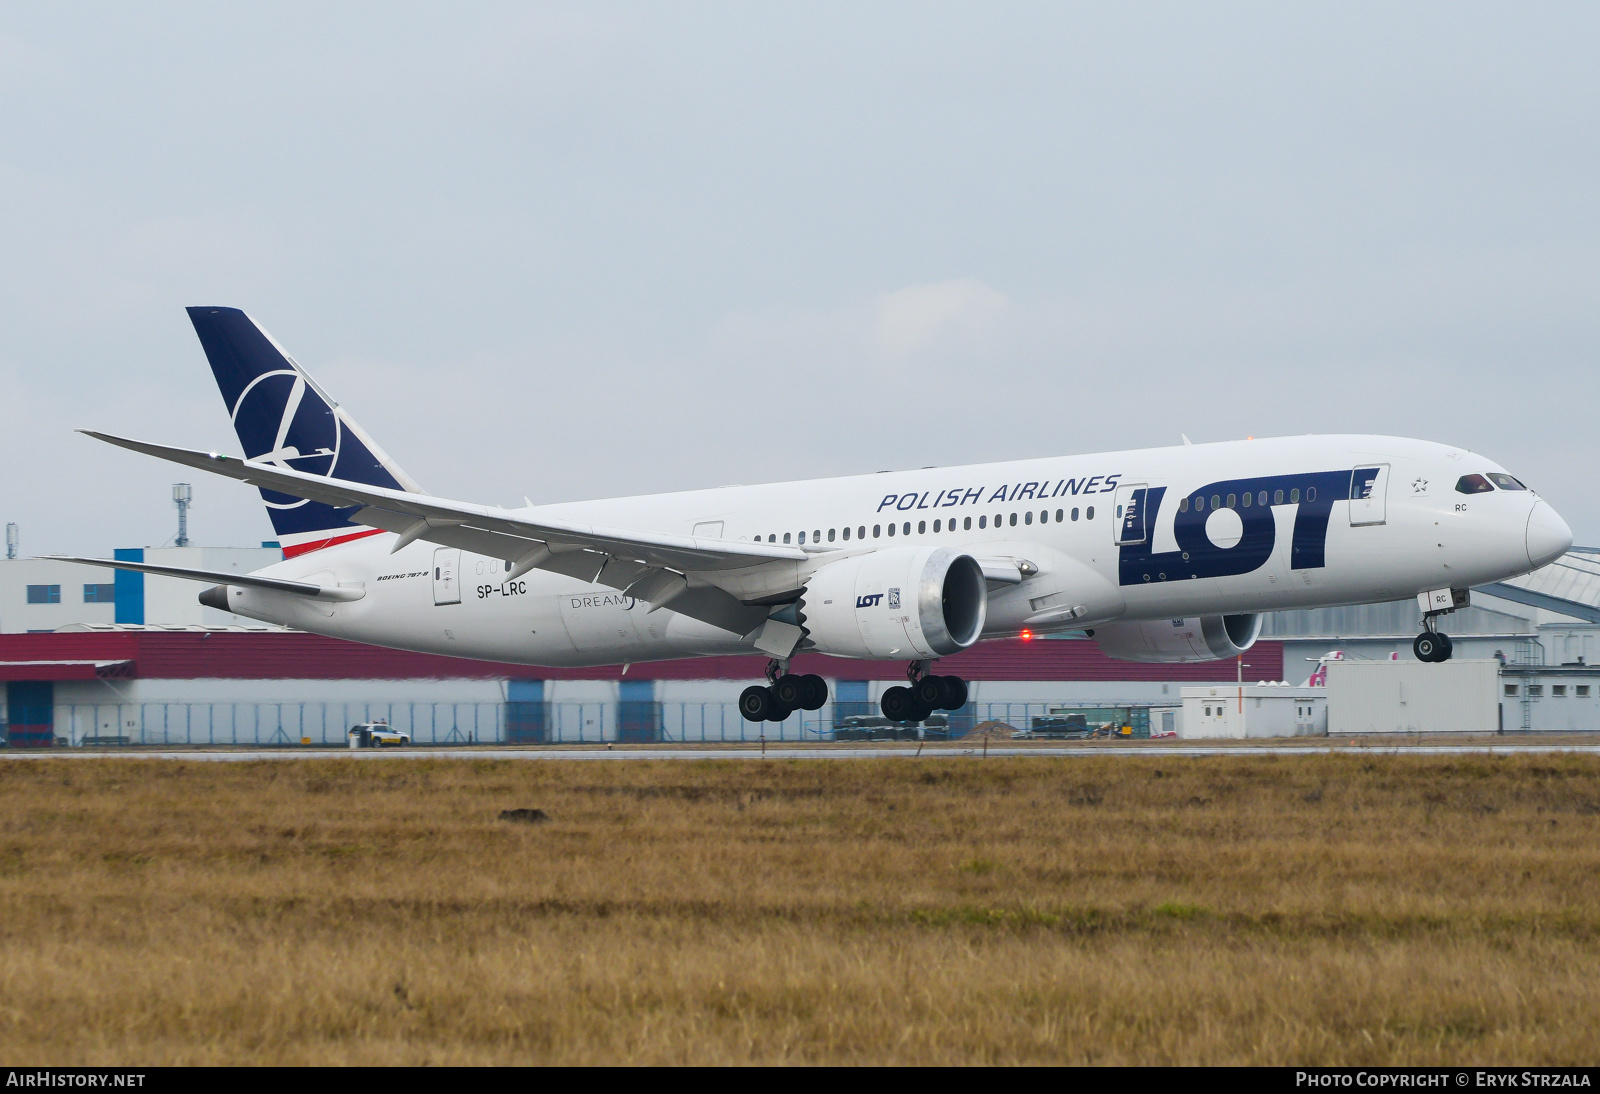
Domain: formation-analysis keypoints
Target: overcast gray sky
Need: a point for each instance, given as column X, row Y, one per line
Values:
column 570, row 251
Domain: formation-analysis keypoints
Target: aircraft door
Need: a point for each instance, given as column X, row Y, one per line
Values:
column 1368, row 486
column 447, row 575
column 1128, row 522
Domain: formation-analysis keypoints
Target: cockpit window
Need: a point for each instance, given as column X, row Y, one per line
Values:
column 1473, row 484
column 1505, row 482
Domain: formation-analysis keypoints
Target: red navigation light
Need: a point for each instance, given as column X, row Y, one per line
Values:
column 1027, row 636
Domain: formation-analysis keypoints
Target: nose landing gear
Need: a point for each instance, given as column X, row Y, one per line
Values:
column 1430, row 645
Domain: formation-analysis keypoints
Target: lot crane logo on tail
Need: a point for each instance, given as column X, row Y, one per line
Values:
column 282, row 417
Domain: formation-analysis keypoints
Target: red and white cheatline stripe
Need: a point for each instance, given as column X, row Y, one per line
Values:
column 305, row 542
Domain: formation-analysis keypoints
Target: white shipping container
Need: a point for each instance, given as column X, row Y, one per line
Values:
column 1413, row 697
column 1253, row 710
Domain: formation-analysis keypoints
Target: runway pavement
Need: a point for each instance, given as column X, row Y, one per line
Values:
column 811, row 752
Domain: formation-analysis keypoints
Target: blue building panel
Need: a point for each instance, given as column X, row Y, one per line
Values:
column 638, row 713
column 637, row 691
column 129, row 587
column 527, row 714
column 525, row 691
column 30, row 714
column 850, row 699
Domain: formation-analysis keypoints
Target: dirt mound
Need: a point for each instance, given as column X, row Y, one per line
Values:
column 524, row 816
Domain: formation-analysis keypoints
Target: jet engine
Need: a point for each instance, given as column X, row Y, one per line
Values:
column 905, row 602
column 1203, row 638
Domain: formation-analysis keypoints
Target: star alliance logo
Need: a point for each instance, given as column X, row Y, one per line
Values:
column 1419, row 486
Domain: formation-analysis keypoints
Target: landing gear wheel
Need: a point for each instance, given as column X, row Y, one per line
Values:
column 958, row 693
column 930, row 692
column 897, row 704
column 1446, row 647
column 1431, row 647
column 816, row 692
column 920, row 712
column 754, row 702
column 941, row 692
column 790, row 690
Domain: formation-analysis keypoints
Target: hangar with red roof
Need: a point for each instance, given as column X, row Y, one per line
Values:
column 156, row 685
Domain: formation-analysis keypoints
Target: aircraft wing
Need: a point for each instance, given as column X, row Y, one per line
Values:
column 651, row 566
column 219, row 577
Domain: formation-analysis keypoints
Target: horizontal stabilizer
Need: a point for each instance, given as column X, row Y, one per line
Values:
column 217, row 577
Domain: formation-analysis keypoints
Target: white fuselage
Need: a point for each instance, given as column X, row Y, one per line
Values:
column 1298, row 541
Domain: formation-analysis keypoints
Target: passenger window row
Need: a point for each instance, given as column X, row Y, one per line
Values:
column 1467, row 484
column 1233, row 501
column 939, row 525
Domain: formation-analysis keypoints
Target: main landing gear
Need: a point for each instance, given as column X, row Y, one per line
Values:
column 785, row 694
column 788, row 692
column 925, row 695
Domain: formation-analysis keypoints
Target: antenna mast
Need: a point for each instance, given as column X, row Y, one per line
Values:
column 182, row 493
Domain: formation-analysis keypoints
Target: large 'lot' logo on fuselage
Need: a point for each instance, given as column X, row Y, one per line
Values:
column 1312, row 494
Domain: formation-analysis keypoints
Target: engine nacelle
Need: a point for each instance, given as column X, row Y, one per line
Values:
column 905, row 602
column 1206, row 638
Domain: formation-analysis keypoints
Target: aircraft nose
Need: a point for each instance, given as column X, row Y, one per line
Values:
column 1548, row 535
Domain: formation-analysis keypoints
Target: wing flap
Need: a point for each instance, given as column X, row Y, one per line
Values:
column 718, row 607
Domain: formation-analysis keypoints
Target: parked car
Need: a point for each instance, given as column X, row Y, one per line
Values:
column 378, row 735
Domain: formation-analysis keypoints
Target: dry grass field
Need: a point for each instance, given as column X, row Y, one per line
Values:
column 1239, row 909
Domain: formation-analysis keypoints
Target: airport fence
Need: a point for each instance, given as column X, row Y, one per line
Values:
column 266, row 724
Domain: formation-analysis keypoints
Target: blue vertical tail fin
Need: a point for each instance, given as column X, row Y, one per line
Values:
column 283, row 417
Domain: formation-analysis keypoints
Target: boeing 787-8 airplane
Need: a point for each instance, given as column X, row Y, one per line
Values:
column 1159, row 554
